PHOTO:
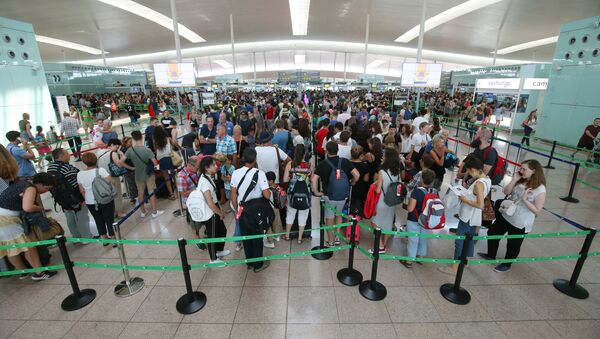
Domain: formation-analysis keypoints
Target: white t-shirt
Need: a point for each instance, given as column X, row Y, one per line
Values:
column 103, row 156
column 261, row 185
column 266, row 160
column 419, row 138
column 344, row 151
column 523, row 217
column 205, row 185
column 468, row 213
column 417, row 122
column 85, row 179
column 405, row 144
column 343, row 117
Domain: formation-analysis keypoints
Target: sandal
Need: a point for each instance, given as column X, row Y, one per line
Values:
column 299, row 241
column 285, row 237
column 406, row 264
column 419, row 262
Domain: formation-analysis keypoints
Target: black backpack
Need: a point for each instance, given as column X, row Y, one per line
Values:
column 299, row 192
column 395, row 193
column 64, row 194
column 258, row 213
column 338, row 189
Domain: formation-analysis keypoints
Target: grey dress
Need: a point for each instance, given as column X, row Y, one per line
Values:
column 385, row 214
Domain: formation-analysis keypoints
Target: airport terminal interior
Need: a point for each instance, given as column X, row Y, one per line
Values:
column 299, row 169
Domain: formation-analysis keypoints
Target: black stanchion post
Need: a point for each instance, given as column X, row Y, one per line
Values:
column 457, row 128
column 190, row 302
column 570, row 198
column 323, row 255
column 548, row 166
column 453, row 292
column 349, row 276
column 122, row 131
column 79, row 298
column 570, row 287
column 373, row 289
column 493, row 136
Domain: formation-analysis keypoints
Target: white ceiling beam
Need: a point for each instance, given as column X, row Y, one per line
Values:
column 445, row 16
column 316, row 45
column 68, row 44
column 154, row 16
column 527, row 45
column 299, row 10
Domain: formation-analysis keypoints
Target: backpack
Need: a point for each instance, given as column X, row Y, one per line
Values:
column 114, row 169
column 395, row 193
column 262, row 215
column 407, row 114
column 433, row 215
column 64, row 194
column 279, row 197
column 299, row 193
column 499, row 170
column 104, row 191
column 338, row 187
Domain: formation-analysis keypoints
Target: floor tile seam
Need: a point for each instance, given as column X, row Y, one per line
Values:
column 238, row 305
column 140, row 305
column 482, row 305
column 26, row 321
column 432, row 303
column 287, row 299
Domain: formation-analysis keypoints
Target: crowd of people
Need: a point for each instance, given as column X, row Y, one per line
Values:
column 257, row 157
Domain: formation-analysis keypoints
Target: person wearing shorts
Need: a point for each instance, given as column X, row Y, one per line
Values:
column 323, row 171
column 587, row 138
column 140, row 155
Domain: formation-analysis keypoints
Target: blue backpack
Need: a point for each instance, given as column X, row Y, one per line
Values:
column 407, row 114
column 338, row 188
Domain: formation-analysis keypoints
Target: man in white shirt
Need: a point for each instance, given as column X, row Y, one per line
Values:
column 343, row 117
column 241, row 179
column 420, row 139
column 267, row 158
column 420, row 119
column 344, row 146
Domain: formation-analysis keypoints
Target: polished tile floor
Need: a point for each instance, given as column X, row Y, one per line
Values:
column 301, row 297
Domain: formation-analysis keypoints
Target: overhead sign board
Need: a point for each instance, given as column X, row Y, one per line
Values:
column 535, row 83
column 421, row 75
column 500, row 83
column 175, row 75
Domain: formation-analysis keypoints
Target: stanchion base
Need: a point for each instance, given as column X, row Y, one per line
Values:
column 550, row 167
column 375, row 292
column 321, row 256
column 570, row 199
column 73, row 302
column 135, row 285
column 349, row 276
column 574, row 292
column 191, row 303
column 462, row 297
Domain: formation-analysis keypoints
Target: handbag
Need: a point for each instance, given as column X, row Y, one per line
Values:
column 507, row 206
column 53, row 230
column 114, row 169
column 488, row 210
column 176, row 159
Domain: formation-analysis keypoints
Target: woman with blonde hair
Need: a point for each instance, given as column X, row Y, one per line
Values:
column 9, row 168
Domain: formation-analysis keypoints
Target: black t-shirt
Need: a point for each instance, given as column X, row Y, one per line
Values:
column 490, row 157
column 324, row 170
column 245, row 125
column 188, row 140
column 166, row 122
column 360, row 189
column 130, row 110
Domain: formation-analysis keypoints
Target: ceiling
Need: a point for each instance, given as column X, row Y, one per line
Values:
column 126, row 34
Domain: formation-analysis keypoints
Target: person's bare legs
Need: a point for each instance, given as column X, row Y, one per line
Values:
column 338, row 220
column 32, row 257
column 17, row 262
column 168, row 181
column 141, row 196
column 153, row 203
column 330, row 237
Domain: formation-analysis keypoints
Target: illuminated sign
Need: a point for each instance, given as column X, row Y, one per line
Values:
column 535, row 83
column 421, row 75
column 174, row 75
column 501, row 83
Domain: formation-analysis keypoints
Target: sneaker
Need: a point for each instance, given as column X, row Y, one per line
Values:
column 485, row 256
column 46, row 275
column 238, row 247
column 217, row 261
column 502, row 268
column 23, row 276
column 143, row 215
column 447, row 270
column 201, row 247
column 278, row 238
column 269, row 244
column 263, row 267
column 157, row 214
column 223, row 253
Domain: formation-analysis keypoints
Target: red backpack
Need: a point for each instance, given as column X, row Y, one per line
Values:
column 433, row 213
column 499, row 170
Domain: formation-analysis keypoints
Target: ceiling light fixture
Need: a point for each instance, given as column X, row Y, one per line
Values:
column 68, row 44
column 223, row 63
column 376, row 63
column 527, row 45
column 299, row 59
column 299, row 13
column 154, row 16
column 445, row 16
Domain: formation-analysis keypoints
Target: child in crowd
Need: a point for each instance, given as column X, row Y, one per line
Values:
column 226, row 171
column 276, row 199
column 426, row 162
column 42, row 144
column 251, row 138
column 417, row 246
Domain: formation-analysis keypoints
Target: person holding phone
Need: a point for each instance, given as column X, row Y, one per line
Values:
column 527, row 190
